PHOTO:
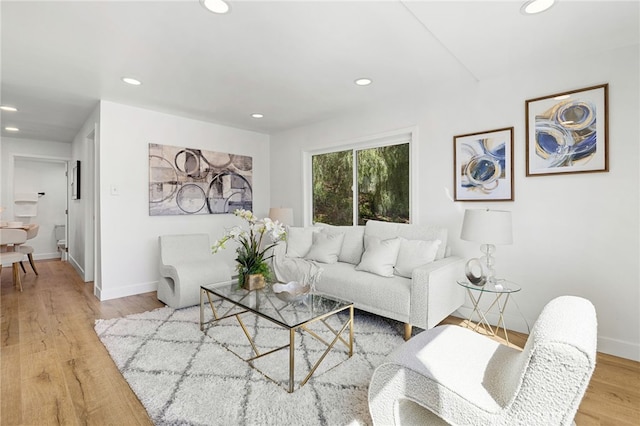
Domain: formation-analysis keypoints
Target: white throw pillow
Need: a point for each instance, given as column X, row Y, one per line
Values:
column 299, row 241
column 379, row 256
column 325, row 247
column 414, row 253
column 352, row 245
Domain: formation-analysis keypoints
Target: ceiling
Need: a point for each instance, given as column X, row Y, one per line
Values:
column 293, row 61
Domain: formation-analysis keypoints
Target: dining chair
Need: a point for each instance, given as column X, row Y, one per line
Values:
column 9, row 238
column 32, row 232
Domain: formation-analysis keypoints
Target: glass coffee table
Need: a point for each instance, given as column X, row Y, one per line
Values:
column 292, row 315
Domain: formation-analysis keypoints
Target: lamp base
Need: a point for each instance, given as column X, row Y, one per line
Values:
column 489, row 260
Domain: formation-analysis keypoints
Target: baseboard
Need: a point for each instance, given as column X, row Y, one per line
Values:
column 42, row 256
column 607, row 345
column 46, row 256
column 75, row 265
column 97, row 291
column 513, row 322
column 124, row 291
column 619, row 348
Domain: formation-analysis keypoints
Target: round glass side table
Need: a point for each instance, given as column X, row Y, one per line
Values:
column 501, row 292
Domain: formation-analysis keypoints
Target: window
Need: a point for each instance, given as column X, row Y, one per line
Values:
column 381, row 190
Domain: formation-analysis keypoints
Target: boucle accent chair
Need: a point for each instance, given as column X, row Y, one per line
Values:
column 186, row 263
column 452, row 375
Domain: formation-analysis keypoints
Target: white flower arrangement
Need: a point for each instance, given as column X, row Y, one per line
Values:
column 251, row 256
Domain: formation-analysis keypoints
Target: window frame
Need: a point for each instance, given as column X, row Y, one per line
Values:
column 397, row 137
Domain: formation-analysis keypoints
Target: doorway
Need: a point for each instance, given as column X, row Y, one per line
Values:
column 46, row 178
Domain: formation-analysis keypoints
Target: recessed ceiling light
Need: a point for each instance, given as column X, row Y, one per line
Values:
column 363, row 81
column 536, row 6
column 11, row 129
column 257, row 115
column 215, row 6
column 8, row 108
column 131, row 81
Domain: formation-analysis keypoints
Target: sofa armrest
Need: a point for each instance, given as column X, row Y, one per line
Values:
column 434, row 291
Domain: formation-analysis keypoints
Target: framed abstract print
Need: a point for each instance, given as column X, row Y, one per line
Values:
column 483, row 166
column 567, row 132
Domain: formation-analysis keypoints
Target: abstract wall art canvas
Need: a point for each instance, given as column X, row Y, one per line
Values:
column 567, row 132
column 483, row 166
column 194, row 181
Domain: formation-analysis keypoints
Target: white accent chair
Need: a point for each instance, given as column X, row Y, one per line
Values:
column 9, row 239
column 452, row 375
column 32, row 232
column 186, row 263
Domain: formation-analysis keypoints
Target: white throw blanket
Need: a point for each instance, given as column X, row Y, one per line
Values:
column 296, row 269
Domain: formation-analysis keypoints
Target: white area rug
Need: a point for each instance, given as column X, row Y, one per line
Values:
column 183, row 376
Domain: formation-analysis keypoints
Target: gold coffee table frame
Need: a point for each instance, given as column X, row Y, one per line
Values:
column 249, row 301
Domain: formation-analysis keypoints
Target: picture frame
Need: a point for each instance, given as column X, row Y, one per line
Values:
column 568, row 132
column 194, row 181
column 483, row 166
column 75, row 181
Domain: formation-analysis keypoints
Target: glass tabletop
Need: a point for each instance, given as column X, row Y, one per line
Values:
column 275, row 306
column 500, row 286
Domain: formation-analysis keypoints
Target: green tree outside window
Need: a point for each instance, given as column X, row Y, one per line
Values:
column 382, row 185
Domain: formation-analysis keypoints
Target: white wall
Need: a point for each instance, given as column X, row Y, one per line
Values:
column 128, row 235
column 36, row 166
column 573, row 234
column 80, row 233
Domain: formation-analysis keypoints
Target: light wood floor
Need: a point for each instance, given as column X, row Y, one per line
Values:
column 54, row 370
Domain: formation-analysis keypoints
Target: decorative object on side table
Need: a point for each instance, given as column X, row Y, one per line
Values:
column 253, row 269
column 567, row 132
column 487, row 227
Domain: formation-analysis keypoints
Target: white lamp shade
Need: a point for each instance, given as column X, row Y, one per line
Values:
column 486, row 226
column 284, row 215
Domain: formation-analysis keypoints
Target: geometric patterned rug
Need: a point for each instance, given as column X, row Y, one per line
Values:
column 184, row 376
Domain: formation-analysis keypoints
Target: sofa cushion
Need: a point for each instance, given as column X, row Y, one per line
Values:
column 386, row 230
column 326, row 247
column 353, row 243
column 414, row 253
column 389, row 297
column 379, row 256
column 299, row 241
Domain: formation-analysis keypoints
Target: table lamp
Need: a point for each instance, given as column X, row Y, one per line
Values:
column 487, row 227
column 284, row 215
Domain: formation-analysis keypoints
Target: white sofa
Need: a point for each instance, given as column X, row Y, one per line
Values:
column 399, row 271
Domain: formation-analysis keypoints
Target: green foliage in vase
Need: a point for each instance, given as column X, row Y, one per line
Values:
column 251, row 256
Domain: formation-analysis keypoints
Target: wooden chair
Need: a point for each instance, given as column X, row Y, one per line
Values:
column 9, row 239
